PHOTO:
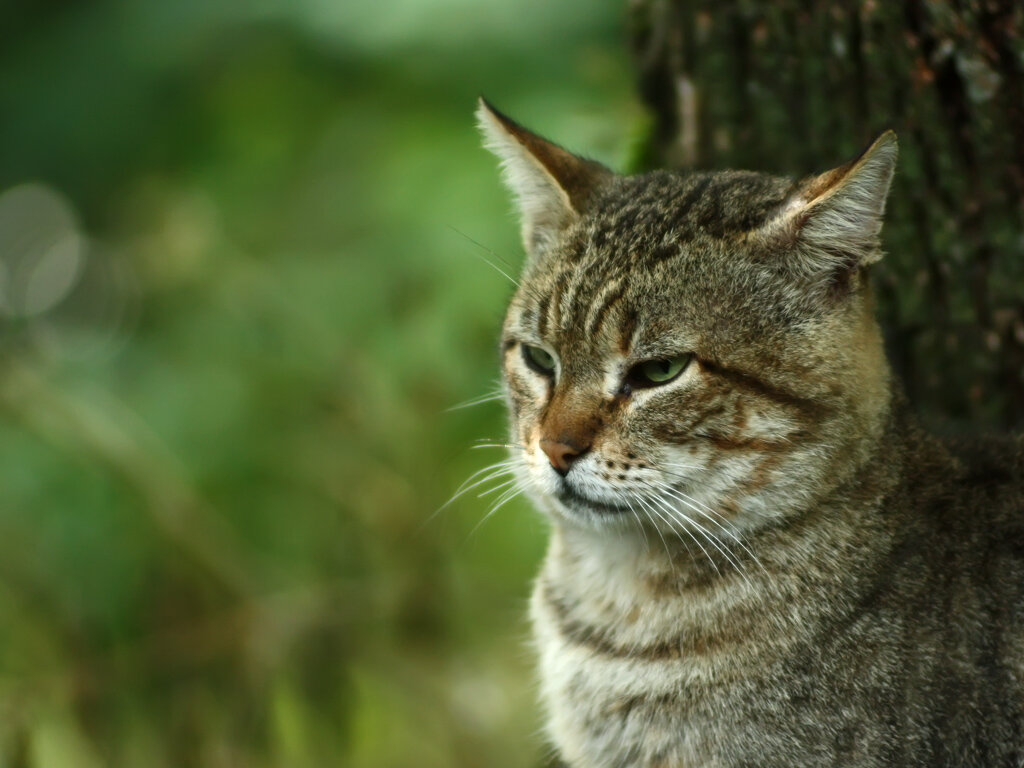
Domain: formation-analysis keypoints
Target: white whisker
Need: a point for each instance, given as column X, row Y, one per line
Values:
column 647, row 503
column 485, row 260
column 693, row 503
column 675, row 515
column 504, row 499
column 640, row 500
column 676, row 465
column 487, row 398
column 713, row 540
column 496, row 470
column 498, row 487
column 639, row 522
column 697, row 506
column 712, row 514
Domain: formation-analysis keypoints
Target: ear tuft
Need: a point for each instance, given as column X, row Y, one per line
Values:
column 551, row 186
column 835, row 218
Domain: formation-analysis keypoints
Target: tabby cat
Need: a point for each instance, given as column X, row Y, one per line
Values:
column 757, row 557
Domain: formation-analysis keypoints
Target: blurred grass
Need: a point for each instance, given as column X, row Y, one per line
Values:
column 219, row 450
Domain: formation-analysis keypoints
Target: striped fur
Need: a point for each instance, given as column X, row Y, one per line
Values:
column 763, row 562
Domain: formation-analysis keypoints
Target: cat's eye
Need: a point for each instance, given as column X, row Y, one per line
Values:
column 654, row 373
column 539, row 360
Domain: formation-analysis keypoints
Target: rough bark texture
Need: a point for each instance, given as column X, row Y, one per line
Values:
column 797, row 86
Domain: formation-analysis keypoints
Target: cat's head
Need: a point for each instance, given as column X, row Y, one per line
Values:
column 690, row 348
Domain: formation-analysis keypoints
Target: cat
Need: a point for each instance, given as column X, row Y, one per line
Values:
column 757, row 557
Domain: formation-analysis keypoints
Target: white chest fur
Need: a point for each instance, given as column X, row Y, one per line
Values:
column 636, row 673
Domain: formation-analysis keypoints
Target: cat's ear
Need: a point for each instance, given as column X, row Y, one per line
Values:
column 833, row 220
column 551, row 185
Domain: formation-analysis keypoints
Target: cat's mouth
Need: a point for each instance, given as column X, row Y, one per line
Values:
column 579, row 503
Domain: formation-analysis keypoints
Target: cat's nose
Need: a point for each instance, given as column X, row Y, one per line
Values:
column 562, row 454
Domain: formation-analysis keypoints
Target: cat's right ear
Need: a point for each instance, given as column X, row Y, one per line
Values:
column 832, row 221
column 551, row 185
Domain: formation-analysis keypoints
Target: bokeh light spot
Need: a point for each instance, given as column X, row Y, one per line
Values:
column 53, row 275
column 41, row 249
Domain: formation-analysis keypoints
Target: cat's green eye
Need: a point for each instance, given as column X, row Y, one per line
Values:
column 539, row 360
column 653, row 373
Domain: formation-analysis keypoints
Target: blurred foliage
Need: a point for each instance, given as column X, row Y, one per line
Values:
column 242, row 279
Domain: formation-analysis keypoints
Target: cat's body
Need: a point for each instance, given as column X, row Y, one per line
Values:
column 757, row 558
column 883, row 632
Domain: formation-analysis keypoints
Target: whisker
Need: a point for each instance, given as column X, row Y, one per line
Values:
column 639, row 522
column 485, row 260
column 723, row 548
column 683, row 541
column 498, row 504
column 480, row 245
column 711, row 538
column 506, row 497
column 688, row 478
column 497, row 470
column 508, row 470
column 499, row 486
column 488, row 398
column 667, row 521
column 677, row 465
column 697, row 506
column 505, row 463
column 726, row 526
column 711, row 514
column 675, row 514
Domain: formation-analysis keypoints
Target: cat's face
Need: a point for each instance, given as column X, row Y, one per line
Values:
column 674, row 357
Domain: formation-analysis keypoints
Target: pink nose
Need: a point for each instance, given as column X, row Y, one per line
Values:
column 562, row 454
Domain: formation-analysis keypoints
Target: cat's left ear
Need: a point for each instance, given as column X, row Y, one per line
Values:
column 833, row 220
column 551, row 185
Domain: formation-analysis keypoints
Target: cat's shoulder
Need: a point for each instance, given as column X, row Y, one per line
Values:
column 990, row 460
column 965, row 485
column 991, row 477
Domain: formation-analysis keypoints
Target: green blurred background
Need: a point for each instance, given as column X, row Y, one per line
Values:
column 239, row 292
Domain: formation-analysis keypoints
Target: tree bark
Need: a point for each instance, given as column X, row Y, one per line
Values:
column 798, row 86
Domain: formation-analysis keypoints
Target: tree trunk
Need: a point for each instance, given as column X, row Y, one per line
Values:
column 797, row 86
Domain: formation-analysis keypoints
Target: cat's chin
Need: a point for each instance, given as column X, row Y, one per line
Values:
column 576, row 508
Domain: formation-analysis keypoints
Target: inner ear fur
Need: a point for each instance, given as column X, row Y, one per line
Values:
column 832, row 222
column 551, row 185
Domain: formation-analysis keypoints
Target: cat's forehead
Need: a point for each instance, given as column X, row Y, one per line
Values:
column 594, row 308
column 657, row 256
column 635, row 215
column 650, row 236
